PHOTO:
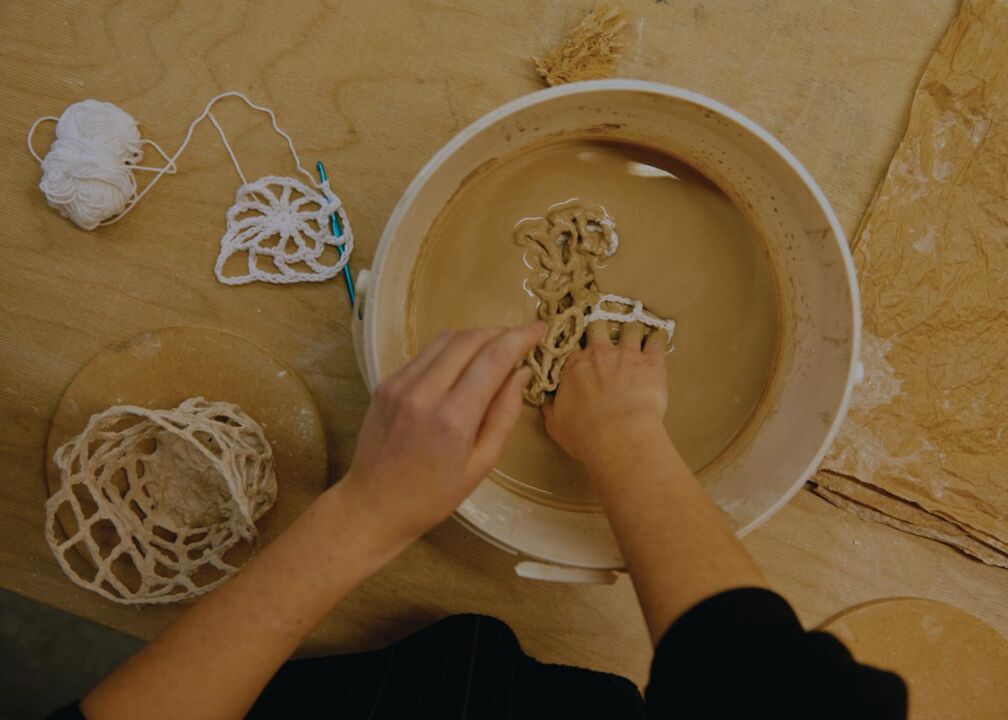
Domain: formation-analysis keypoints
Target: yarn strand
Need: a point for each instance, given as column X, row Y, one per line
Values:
column 169, row 166
column 188, row 136
column 31, row 133
column 227, row 146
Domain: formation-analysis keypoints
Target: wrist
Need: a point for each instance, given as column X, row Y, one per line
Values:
column 352, row 519
column 634, row 449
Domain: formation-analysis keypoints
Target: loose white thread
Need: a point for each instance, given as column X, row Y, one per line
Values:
column 87, row 176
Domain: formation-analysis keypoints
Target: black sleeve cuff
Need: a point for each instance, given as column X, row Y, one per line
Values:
column 68, row 712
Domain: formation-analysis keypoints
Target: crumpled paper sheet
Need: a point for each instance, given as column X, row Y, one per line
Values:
column 925, row 445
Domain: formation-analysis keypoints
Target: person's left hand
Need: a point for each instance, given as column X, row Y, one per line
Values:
column 436, row 427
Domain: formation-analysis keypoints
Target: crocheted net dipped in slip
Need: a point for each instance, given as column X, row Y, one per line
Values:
column 153, row 504
column 562, row 250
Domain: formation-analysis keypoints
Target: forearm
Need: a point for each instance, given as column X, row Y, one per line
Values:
column 678, row 547
column 215, row 660
column 433, row 431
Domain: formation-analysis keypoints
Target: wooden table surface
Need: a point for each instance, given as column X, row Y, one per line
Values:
column 374, row 88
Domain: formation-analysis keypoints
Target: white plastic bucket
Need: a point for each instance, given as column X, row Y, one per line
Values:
column 820, row 332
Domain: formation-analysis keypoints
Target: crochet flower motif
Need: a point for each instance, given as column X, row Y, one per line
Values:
column 282, row 227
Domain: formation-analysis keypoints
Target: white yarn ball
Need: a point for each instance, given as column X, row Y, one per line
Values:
column 86, row 174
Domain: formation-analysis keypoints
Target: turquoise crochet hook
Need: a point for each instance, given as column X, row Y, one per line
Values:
column 337, row 231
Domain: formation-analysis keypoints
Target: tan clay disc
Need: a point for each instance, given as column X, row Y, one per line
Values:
column 955, row 665
column 160, row 369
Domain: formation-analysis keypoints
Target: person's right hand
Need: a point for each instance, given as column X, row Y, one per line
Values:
column 609, row 393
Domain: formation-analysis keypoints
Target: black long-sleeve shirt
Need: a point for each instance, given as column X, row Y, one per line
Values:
column 740, row 654
column 743, row 654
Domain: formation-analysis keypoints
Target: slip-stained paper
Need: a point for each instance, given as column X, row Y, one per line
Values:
column 925, row 445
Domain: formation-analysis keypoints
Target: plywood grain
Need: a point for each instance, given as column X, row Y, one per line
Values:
column 374, row 88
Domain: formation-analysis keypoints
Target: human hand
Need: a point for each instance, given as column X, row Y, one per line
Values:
column 436, row 427
column 609, row 393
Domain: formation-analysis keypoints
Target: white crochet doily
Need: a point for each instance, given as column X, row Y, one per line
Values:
column 156, row 506
column 281, row 226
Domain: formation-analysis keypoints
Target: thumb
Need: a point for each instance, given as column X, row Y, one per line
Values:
column 550, row 418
